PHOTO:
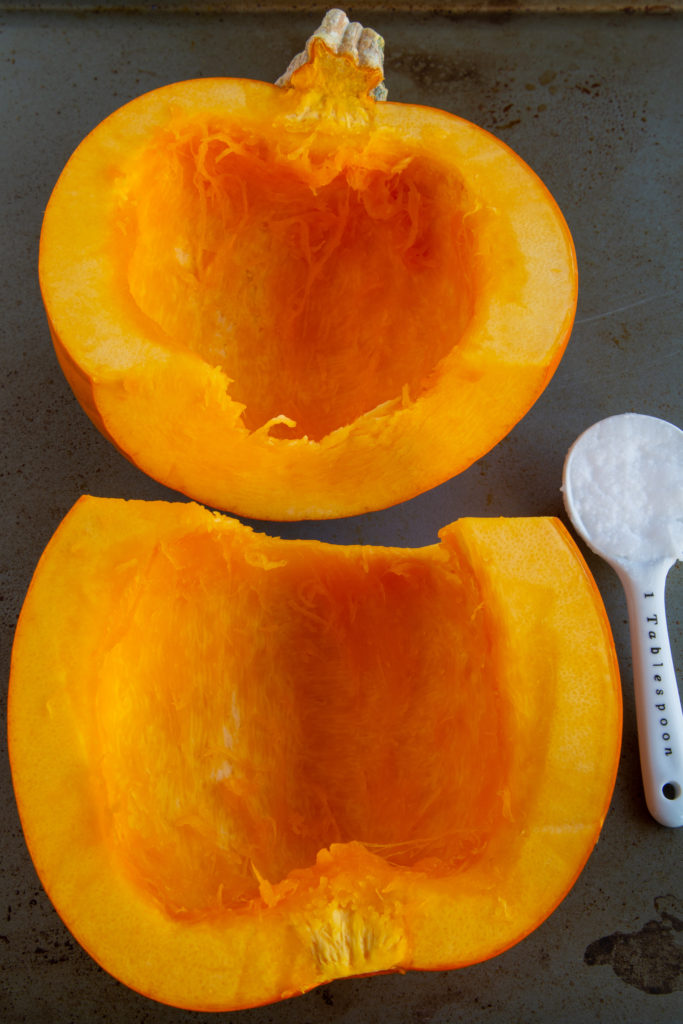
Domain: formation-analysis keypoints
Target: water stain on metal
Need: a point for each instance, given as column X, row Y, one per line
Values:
column 429, row 71
column 451, row 76
column 650, row 959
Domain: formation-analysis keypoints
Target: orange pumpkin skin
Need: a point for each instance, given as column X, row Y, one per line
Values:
column 247, row 766
column 295, row 301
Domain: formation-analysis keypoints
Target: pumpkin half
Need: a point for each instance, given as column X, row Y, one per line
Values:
column 246, row 766
column 299, row 300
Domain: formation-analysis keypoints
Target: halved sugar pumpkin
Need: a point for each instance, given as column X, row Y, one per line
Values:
column 246, row 766
column 298, row 300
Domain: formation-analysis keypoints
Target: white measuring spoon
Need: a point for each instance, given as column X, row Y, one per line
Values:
column 623, row 491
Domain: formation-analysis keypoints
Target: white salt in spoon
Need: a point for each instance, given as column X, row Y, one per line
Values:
column 623, row 491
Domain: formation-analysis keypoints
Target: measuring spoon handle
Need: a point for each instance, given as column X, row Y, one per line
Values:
column 658, row 704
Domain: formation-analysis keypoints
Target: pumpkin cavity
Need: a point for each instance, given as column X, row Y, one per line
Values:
column 324, row 277
column 305, row 705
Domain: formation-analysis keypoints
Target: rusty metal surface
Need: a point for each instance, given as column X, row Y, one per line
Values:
column 592, row 102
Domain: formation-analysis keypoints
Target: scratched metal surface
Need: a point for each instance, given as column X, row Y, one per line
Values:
column 590, row 101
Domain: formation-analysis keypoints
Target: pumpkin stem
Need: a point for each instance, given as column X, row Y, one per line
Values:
column 360, row 53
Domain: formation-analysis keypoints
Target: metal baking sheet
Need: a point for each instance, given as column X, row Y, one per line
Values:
column 589, row 96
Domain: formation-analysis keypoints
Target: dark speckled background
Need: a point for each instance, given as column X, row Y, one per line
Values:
column 592, row 102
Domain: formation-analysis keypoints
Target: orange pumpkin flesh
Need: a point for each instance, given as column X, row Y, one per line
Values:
column 299, row 302
column 247, row 766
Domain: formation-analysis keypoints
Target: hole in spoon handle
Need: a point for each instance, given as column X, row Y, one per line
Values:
column 658, row 704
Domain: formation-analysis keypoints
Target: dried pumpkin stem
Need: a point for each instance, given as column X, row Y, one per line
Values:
column 363, row 46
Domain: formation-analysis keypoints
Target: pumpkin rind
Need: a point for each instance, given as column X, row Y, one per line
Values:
column 248, row 766
column 375, row 294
